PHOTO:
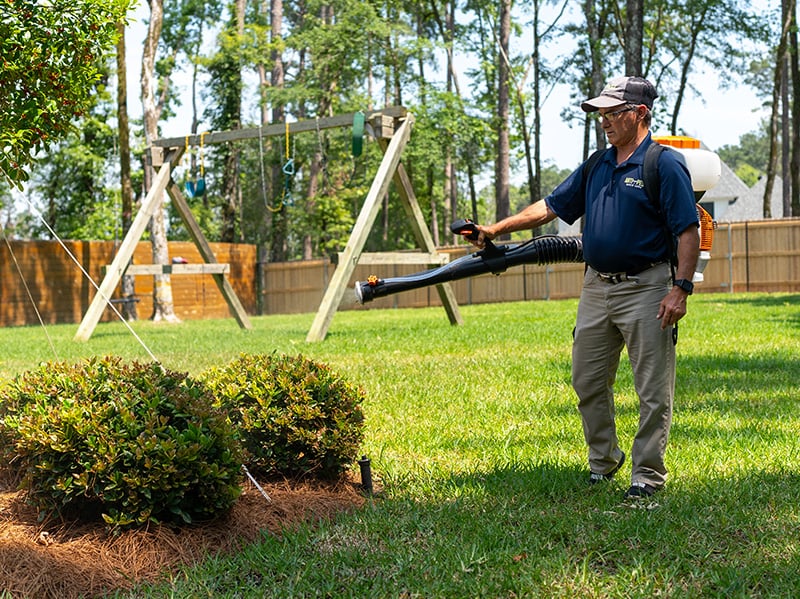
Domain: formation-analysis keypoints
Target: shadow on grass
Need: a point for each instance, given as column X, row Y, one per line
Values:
column 739, row 383
column 764, row 300
column 540, row 530
column 723, row 536
column 726, row 535
column 767, row 306
column 733, row 384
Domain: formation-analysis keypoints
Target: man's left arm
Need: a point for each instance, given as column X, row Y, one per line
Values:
column 673, row 306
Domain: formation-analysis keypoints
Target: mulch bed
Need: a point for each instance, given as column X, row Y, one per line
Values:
column 67, row 560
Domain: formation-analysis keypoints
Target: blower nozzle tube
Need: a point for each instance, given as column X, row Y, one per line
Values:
column 546, row 249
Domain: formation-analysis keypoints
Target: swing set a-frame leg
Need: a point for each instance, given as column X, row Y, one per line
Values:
column 150, row 204
column 224, row 286
column 424, row 239
column 389, row 169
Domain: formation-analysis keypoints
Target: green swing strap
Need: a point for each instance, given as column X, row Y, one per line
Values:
column 358, row 133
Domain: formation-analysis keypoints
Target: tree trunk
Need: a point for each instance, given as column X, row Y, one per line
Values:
column 450, row 199
column 695, row 29
column 163, row 308
column 423, row 98
column 267, row 184
column 536, row 184
column 780, row 62
column 634, row 31
column 279, row 225
column 316, row 180
column 786, row 136
column 597, row 76
column 127, row 284
column 230, row 173
column 502, row 162
column 397, row 70
column 795, row 79
column 473, row 193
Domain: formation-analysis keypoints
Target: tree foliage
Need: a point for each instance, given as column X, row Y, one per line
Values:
column 749, row 157
column 440, row 59
column 687, row 36
column 72, row 181
column 50, row 52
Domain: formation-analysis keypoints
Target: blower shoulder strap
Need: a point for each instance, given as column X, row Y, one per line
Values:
column 652, row 187
column 590, row 163
column 650, row 174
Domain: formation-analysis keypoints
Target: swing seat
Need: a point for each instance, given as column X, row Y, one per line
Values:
column 195, row 189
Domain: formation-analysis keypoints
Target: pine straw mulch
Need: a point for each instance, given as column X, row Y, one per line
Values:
column 66, row 560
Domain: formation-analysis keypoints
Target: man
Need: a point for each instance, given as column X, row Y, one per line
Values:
column 629, row 297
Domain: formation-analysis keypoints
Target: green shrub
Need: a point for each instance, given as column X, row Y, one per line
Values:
column 295, row 417
column 133, row 443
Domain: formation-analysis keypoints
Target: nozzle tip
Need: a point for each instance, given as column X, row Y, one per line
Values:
column 359, row 292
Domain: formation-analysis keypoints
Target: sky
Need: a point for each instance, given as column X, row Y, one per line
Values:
column 717, row 116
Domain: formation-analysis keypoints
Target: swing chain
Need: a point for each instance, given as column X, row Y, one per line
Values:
column 288, row 170
column 197, row 187
column 323, row 158
column 261, row 164
column 202, row 155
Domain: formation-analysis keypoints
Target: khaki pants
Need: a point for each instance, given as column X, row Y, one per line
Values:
column 611, row 315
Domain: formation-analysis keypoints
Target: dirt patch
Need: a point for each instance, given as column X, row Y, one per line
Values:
column 66, row 561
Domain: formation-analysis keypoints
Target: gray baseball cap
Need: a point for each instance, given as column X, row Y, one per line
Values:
column 623, row 90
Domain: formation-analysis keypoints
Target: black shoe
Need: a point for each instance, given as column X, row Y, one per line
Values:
column 595, row 478
column 639, row 490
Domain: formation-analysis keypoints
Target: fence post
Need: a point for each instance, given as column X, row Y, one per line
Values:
column 261, row 278
column 524, row 282
column 730, row 259
column 747, row 256
column 547, row 271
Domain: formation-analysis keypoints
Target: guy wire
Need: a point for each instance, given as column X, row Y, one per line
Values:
column 91, row 280
column 30, row 295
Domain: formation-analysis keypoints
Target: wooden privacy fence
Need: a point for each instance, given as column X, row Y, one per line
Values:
column 753, row 256
column 62, row 294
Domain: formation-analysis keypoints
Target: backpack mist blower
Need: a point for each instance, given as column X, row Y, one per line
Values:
column 546, row 249
column 704, row 167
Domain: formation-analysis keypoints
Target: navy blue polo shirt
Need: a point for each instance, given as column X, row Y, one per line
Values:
column 623, row 229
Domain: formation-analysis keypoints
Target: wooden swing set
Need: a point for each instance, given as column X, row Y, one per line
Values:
column 391, row 127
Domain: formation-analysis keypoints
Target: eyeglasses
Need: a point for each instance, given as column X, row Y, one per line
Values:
column 612, row 117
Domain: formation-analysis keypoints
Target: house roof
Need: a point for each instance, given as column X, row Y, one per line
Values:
column 750, row 205
column 730, row 187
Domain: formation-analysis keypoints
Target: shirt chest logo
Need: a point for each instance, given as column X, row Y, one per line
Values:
column 633, row 182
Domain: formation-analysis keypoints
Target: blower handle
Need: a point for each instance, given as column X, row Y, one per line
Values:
column 468, row 228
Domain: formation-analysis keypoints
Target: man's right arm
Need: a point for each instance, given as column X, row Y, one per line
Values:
column 534, row 215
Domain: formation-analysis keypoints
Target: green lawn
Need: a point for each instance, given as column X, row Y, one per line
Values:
column 474, row 435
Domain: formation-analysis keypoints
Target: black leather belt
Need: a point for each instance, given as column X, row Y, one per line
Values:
column 618, row 277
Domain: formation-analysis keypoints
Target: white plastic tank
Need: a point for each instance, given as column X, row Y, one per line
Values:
column 704, row 166
column 705, row 170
